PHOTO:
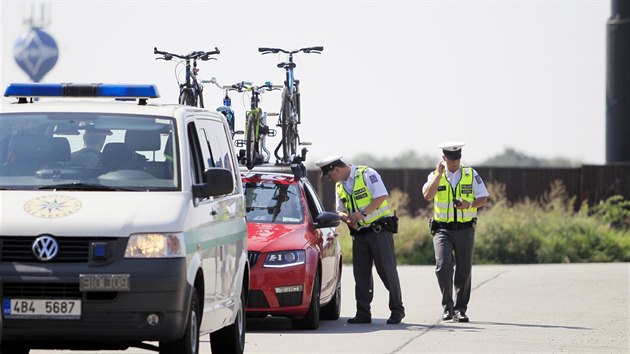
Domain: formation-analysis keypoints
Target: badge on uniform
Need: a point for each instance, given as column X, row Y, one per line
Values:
column 478, row 179
column 373, row 179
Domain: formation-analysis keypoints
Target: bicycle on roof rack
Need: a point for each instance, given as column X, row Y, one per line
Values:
column 190, row 91
column 290, row 107
column 256, row 128
column 226, row 108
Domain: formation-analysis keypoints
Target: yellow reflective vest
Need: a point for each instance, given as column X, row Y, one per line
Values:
column 443, row 206
column 361, row 197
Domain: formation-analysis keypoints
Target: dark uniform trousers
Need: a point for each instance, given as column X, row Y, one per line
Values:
column 378, row 249
column 445, row 242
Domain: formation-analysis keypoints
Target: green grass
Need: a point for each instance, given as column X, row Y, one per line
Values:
column 549, row 230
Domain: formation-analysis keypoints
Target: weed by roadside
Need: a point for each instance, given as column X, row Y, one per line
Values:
column 549, row 230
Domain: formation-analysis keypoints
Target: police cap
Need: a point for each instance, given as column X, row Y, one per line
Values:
column 328, row 163
column 452, row 149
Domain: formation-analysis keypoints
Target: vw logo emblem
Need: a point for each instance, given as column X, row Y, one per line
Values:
column 45, row 248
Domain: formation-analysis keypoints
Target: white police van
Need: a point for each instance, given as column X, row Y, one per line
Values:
column 121, row 223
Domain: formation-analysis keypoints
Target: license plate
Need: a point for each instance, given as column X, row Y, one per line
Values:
column 41, row 308
column 104, row 282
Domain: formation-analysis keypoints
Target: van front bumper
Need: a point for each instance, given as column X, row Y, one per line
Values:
column 157, row 287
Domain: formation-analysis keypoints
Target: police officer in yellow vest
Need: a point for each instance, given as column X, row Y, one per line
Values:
column 362, row 205
column 457, row 192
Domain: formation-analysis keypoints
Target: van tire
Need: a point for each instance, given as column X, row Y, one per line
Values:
column 8, row 347
column 231, row 339
column 189, row 342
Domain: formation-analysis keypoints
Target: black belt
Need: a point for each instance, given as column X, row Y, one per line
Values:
column 373, row 228
column 363, row 231
column 455, row 225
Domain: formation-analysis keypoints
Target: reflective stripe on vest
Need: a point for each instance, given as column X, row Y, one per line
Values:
column 443, row 206
column 361, row 198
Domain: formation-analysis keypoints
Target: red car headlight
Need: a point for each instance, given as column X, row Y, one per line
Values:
column 285, row 259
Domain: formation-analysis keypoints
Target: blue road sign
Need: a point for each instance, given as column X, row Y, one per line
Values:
column 36, row 52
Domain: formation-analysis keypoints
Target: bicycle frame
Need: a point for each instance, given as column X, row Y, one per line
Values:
column 191, row 86
column 190, row 91
column 290, row 115
column 226, row 109
column 256, row 129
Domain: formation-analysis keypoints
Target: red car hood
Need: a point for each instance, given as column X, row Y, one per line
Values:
column 269, row 237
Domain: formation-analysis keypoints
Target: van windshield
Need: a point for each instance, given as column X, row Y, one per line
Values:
column 87, row 151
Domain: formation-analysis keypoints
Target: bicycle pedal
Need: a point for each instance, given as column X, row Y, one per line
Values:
column 239, row 132
column 271, row 133
column 239, row 143
column 306, row 143
column 272, row 114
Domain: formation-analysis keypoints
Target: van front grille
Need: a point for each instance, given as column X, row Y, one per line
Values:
column 20, row 249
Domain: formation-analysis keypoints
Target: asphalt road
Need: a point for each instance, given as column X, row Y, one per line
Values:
column 557, row 308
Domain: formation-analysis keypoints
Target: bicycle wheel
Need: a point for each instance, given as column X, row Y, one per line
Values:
column 199, row 92
column 186, row 97
column 251, row 137
column 289, row 130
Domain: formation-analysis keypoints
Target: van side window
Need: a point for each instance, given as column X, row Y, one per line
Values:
column 196, row 156
column 217, row 143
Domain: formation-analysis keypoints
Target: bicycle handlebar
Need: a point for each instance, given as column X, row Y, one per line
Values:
column 244, row 86
column 196, row 55
column 316, row 50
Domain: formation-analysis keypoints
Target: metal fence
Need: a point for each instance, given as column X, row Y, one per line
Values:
column 588, row 182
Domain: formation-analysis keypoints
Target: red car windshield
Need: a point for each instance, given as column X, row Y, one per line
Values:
column 271, row 202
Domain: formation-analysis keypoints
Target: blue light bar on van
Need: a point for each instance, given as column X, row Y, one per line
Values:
column 81, row 90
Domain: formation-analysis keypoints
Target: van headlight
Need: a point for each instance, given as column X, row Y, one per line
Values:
column 285, row 259
column 155, row 246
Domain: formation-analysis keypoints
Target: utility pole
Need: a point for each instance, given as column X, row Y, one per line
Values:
column 618, row 84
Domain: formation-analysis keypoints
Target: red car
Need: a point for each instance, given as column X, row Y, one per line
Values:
column 294, row 251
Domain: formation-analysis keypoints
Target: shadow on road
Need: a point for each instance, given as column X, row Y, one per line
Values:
column 532, row 325
column 283, row 325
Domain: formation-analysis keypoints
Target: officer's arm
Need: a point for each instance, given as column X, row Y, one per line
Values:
column 430, row 188
column 361, row 214
column 374, row 204
column 479, row 202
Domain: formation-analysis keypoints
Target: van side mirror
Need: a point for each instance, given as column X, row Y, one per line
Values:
column 217, row 181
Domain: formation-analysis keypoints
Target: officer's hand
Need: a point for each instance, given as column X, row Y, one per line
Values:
column 440, row 167
column 348, row 220
column 462, row 204
column 355, row 217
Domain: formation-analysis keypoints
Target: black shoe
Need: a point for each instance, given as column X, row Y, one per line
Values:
column 360, row 319
column 460, row 317
column 447, row 315
column 395, row 318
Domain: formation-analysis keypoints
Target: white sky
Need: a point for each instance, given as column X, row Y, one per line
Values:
column 393, row 76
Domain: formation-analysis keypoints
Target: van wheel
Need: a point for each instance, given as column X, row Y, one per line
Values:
column 231, row 339
column 189, row 342
column 9, row 347
column 333, row 309
column 311, row 320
